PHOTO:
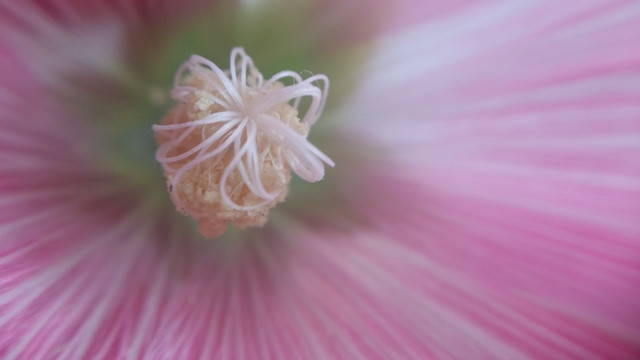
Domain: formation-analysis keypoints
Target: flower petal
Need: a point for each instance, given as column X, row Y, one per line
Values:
column 501, row 224
column 515, row 158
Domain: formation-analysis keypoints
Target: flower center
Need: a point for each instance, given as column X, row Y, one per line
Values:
column 229, row 146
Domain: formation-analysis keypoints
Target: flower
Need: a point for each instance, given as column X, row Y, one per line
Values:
column 483, row 205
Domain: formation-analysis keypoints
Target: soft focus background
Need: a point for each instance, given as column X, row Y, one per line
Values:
column 485, row 202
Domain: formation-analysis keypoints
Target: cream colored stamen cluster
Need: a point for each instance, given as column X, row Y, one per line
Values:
column 229, row 146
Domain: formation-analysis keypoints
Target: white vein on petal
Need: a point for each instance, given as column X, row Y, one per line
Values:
column 100, row 303
column 96, row 48
column 72, row 292
column 424, row 48
column 490, row 342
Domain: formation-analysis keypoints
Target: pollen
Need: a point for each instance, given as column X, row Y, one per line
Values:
column 230, row 144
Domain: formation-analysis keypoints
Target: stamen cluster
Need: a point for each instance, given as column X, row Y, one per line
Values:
column 229, row 146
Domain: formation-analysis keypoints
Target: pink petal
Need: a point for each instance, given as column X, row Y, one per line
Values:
column 517, row 140
column 363, row 22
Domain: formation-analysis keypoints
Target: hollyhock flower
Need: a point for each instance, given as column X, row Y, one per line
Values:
column 484, row 202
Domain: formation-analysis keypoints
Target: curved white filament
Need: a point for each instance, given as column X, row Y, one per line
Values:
column 246, row 125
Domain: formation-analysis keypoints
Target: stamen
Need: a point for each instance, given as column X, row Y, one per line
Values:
column 229, row 146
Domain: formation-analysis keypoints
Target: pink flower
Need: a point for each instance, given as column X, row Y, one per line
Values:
column 484, row 203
